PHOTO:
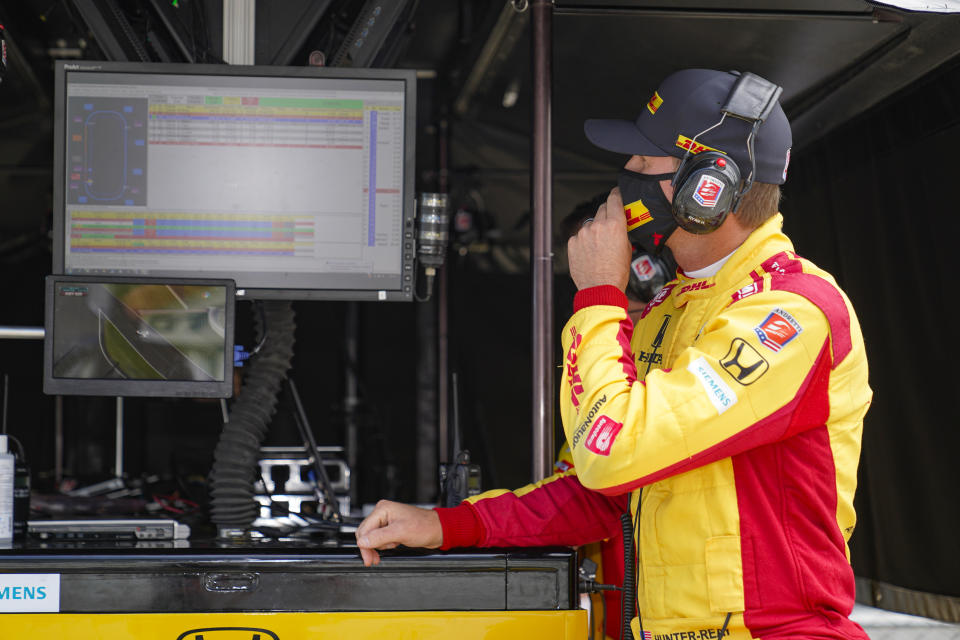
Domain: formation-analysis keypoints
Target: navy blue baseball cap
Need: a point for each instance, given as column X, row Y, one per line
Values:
column 687, row 103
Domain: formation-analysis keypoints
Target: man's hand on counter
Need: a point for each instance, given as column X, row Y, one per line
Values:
column 391, row 524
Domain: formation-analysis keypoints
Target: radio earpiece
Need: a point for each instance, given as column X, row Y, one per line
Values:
column 648, row 273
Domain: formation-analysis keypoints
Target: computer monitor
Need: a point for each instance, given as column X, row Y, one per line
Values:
column 295, row 182
column 115, row 336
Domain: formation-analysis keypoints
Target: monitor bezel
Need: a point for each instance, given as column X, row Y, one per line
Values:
column 138, row 388
column 408, row 251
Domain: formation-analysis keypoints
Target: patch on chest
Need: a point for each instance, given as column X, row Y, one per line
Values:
column 777, row 330
column 653, row 355
column 743, row 362
column 719, row 392
column 658, row 299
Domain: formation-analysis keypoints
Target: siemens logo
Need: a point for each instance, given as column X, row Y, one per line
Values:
column 720, row 394
column 23, row 593
column 29, row 592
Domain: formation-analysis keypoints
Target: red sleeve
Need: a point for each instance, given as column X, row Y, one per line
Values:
column 605, row 294
column 555, row 511
column 461, row 526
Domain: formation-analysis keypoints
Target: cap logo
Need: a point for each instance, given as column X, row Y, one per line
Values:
column 637, row 214
column 694, row 147
column 655, row 102
column 786, row 165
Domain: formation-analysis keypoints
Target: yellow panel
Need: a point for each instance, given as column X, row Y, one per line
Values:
column 419, row 625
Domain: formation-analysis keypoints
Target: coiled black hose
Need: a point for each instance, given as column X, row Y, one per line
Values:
column 629, row 594
column 235, row 460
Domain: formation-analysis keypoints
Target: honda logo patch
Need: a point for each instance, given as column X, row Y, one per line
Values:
column 743, row 362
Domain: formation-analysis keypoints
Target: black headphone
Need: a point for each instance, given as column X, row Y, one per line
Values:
column 707, row 188
column 707, row 185
column 648, row 273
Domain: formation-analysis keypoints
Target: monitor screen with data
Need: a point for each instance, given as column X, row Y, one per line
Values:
column 296, row 183
column 138, row 336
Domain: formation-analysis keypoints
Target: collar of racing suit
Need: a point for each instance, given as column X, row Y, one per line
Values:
column 733, row 271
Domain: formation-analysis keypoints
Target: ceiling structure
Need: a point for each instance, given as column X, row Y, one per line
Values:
column 834, row 58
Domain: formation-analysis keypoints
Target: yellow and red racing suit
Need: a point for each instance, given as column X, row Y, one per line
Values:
column 731, row 416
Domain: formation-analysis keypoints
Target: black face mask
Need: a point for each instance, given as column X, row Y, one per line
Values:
column 648, row 210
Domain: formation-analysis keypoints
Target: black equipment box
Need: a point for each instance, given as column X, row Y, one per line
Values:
column 277, row 578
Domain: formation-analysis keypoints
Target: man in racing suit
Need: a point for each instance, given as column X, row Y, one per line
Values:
column 648, row 274
column 728, row 420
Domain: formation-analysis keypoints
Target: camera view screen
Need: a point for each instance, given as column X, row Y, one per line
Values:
column 104, row 331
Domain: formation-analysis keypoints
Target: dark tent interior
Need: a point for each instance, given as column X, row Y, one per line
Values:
column 873, row 94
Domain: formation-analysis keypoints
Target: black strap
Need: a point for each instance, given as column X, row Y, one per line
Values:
column 752, row 98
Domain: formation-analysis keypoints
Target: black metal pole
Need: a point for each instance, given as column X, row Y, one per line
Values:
column 443, row 318
column 351, row 400
column 542, row 232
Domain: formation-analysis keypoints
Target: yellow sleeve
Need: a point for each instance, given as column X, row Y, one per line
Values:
column 626, row 433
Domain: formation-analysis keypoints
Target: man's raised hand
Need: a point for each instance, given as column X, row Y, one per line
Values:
column 600, row 252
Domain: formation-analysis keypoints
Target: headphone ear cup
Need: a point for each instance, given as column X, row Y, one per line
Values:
column 648, row 274
column 706, row 190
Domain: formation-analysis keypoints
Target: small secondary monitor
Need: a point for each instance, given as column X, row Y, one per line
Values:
column 295, row 182
column 112, row 336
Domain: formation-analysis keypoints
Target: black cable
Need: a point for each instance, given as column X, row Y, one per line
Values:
column 266, row 489
column 236, row 457
column 263, row 320
column 128, row 32
column 300, row 417
column 629, row 592
column 428, row 286
column 634, row 539
column 379, row 420
column 192, row 54
column 23, row 452
column 593, row 619
column 723, row 629
column 6, row 394
column 200, row 14
column 603, row 607
column 196, row 25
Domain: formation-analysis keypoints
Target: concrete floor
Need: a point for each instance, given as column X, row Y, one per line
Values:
column 887, row 625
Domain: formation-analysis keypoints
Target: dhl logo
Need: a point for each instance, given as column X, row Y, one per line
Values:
column 655, row 102
column 697, row 286
column 694, row 147
column 573, row 375
column 637, row 215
